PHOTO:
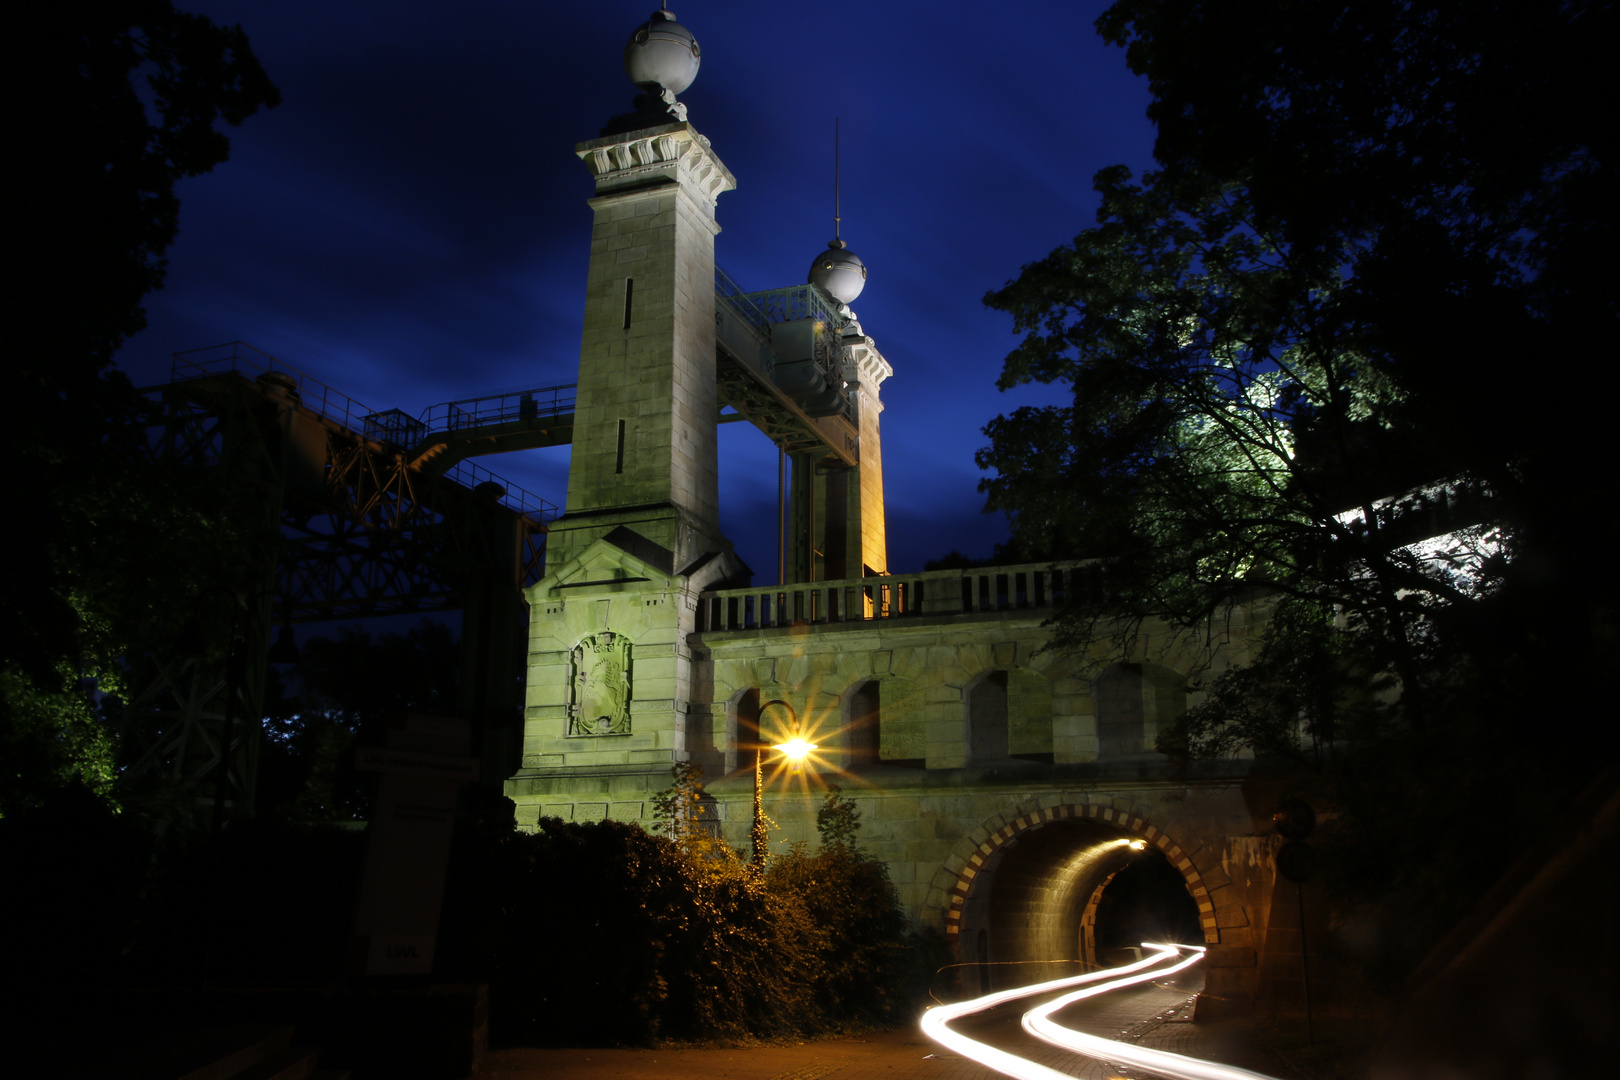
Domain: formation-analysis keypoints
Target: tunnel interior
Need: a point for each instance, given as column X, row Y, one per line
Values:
column 1146, row 900
column 1066, row 896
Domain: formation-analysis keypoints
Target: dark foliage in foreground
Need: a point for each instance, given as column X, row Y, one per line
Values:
column 598, row 933
column 588, row 933
column 105, row 904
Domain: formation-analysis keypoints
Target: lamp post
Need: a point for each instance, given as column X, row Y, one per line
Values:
column 795, row 750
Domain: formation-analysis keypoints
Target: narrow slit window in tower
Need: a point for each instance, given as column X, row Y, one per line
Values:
column 629, row 291
column 618, row 459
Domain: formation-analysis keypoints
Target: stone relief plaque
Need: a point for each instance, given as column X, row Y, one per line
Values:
column 599, row 686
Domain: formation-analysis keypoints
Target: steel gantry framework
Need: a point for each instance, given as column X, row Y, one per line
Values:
column 748, row 368
column 374, row 513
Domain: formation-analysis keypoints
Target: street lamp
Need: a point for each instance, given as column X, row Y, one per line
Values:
column 794, row 750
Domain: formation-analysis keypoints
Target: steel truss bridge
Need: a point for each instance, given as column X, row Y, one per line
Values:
column 373, row 513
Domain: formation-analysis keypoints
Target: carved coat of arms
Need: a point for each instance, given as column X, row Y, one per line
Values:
column 599, row 686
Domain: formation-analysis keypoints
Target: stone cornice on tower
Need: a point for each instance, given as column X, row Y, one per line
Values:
column 870, row 366
column 671, row 151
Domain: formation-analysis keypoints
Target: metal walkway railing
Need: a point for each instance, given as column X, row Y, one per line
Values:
column 389, row 426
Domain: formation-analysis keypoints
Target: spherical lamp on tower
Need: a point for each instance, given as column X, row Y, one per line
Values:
column 662, row 55
column 839, row 272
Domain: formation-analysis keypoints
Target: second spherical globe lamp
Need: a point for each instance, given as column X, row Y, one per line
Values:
column 839, row 272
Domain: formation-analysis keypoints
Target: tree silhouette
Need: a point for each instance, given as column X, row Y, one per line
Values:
column 121, row 100
column 1339, row 352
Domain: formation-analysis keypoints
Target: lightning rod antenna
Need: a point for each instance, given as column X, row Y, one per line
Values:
column 837, row 194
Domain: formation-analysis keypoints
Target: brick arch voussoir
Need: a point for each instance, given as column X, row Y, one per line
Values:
column 983, row 842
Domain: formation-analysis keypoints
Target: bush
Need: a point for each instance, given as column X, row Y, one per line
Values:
column 596, row 932
column 855, row 933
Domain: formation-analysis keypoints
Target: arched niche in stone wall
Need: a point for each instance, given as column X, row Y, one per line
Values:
column 1164, row 693
column 986, row 705
column 1029, row 715
column 1135, row 703
column 742, row 728
column 861, row 738
column 1008, row 714
column 902, row 722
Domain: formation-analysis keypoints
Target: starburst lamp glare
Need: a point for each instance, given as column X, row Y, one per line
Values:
column 796, row 748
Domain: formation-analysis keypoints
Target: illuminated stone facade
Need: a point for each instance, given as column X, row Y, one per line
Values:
column 974, row 755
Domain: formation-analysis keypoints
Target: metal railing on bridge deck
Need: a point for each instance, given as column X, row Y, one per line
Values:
column 245, row 360
column 389, row 426
column 511, row 407
column 760, row 309
column 730, row 295
column 932, row 593
column 795, row 302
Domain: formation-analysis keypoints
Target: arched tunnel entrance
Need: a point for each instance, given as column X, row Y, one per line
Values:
column 1070, row 895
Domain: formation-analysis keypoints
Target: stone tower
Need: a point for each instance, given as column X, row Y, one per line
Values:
column 610, row 676
column 837, row 528
column 619, row 683
column 644, row 429
column 838, row 521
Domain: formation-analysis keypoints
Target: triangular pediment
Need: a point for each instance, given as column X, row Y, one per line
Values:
column 621, row 559
column 651, row 554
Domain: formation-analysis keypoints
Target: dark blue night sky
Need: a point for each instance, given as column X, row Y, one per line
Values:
column 410, row 225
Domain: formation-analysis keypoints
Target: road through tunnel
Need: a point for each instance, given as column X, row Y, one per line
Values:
column 1067, row 896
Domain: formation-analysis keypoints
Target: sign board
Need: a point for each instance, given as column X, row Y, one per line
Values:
column 408, row 843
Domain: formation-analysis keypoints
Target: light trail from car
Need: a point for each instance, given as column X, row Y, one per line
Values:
column 1165, row 960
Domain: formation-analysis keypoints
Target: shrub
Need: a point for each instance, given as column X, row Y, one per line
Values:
column 596, row 932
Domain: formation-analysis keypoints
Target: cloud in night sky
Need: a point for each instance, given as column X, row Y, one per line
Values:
column 410, row 225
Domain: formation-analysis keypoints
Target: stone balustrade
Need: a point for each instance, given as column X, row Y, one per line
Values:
column 897, row 596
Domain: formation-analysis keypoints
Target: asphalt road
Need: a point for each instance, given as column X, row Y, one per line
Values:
column 1157, row 1015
